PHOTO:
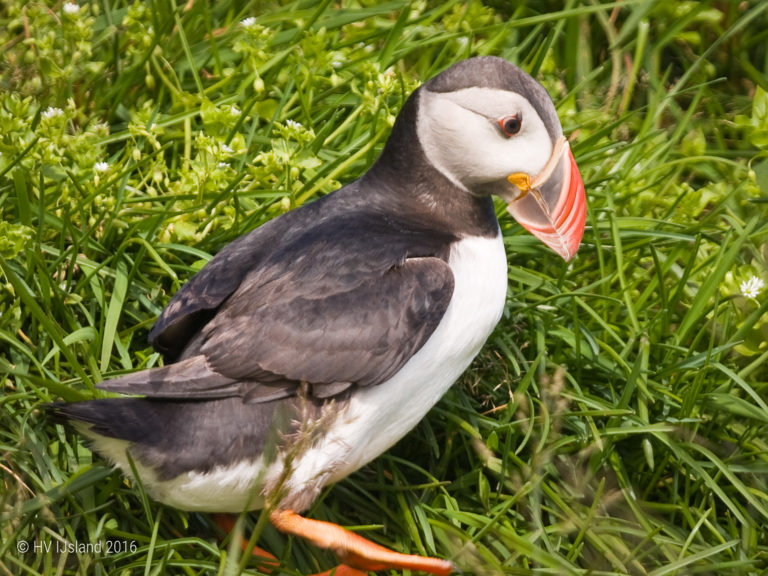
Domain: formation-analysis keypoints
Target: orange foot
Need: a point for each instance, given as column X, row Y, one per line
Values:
column 356, row 553
column 268, row 562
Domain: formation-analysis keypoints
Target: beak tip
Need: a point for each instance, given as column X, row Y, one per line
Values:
column 573, row 230
column 565, row 245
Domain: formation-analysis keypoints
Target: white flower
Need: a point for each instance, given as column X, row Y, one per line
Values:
column 234, row 111
column 52, row 112
column 223, row 165
column 227, row 149
column 248, row 22
column 293, row 124
column 751, row 288
column 71, row 8
column 100, row 167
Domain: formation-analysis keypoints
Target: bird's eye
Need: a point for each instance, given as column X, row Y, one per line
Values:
column 511, row 125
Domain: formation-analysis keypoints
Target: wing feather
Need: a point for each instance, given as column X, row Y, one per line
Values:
column 346, row 302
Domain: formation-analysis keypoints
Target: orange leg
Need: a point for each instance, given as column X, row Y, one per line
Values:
column 354, row 550
column 268, row 561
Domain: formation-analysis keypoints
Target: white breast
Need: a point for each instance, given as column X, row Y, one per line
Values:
column 379, row 416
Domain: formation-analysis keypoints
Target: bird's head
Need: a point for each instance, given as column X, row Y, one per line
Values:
column 492, row 129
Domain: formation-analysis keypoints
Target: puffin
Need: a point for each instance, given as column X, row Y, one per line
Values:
column 312, row 344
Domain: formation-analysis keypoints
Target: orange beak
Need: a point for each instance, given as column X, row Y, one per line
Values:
column 552, row 205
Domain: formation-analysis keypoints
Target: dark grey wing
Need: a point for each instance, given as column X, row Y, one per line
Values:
column 360, row 333
column 329, row 311
column 196, row 302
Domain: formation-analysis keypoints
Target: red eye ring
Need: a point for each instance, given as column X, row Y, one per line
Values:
column 511, row 125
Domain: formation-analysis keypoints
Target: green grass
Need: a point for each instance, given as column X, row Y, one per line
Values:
column 617, row 420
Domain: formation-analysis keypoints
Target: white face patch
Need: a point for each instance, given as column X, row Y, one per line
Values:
column 460, row 135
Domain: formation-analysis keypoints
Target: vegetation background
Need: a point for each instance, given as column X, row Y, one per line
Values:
column 617, row 420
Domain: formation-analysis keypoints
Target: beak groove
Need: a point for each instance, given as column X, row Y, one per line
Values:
column 552, row 205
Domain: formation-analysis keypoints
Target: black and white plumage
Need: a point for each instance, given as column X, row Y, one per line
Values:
column 312, row 344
